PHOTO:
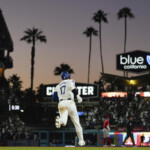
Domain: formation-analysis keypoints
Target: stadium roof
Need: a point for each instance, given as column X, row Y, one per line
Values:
column 128, row 81
column 6, row 42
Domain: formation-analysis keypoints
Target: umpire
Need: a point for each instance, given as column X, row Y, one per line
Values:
column 129, row 130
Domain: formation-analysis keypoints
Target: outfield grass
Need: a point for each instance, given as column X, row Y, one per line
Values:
column 74, row 148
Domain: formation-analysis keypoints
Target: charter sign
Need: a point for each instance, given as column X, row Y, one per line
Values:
column 84, row 90
column 135, row 61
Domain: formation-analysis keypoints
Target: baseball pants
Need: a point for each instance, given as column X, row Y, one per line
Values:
column 68, row 108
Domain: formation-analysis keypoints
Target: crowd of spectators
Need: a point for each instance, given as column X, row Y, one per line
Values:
column 14, row 129
column 119, row 110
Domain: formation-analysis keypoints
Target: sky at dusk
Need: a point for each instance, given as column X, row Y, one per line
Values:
column 63, row 23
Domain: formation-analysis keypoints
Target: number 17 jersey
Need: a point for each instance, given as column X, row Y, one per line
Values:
column 64, row 89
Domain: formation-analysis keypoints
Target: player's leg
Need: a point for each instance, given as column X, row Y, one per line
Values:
column 125, row 139
column 132, row 138
column 105, row 138
column 79, row 130
column 109, row 140
column 75, row 119
column 62, row 120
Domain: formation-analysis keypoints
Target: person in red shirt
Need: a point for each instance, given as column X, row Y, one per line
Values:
column 106, row 130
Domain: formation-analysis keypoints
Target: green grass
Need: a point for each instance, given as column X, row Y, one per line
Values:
column 74, row 148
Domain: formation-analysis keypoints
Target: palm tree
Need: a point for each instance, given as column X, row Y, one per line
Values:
column 32, row 36
column 15, row 93
column 61, row 68
column 39, row 92
column 15, row 82
column 89, row 32
column 125, row 13
column 99, row 17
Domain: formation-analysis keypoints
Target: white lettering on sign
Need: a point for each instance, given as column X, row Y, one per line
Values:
column 131, row 60
column 82, row 90
column 135, row 67
column 50, row 91
column 85, row 90
column 90, row 90
column 79, row 90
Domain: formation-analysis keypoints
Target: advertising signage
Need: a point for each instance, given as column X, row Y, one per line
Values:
column 120, row 136
column 136, row 61
column 84, row 90
column 143, row 94
column 114, row 94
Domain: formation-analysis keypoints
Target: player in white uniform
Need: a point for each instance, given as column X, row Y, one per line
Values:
column 67, row 92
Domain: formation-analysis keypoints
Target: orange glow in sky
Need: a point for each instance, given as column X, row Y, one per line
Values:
column 63, row 23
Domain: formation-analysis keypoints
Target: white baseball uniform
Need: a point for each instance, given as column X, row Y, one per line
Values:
column 67, row 106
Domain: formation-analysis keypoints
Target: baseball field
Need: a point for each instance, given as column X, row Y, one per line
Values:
column 74, row 148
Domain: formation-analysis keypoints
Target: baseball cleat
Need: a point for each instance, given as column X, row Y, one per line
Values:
column 57, row 123
column 81, row 143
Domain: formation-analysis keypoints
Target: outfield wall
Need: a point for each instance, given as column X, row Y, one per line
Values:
column 92, row 138
column 68, row 137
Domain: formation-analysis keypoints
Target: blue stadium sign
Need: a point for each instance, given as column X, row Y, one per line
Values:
column 84, row 90
column 136, row 61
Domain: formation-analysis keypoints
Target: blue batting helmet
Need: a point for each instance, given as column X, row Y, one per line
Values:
column 65, row 75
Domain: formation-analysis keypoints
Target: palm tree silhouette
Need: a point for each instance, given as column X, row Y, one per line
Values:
column 89, row 32
column 32, row 36
column 61, row 68
column 99, row 17
column 15, row 82
column 125, row 13
column 15, row 85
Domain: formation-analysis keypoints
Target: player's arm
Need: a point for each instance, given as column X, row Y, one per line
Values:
column 55, row 96
column 75, row 91
column 108, row 128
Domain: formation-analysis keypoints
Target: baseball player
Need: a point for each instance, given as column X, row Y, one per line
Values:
column 106, row 130
column 66, row 93
column 129, row 129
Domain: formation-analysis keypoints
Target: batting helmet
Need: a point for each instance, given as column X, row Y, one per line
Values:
column 65, row 75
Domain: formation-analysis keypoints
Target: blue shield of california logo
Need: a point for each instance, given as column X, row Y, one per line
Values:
column 148, row 59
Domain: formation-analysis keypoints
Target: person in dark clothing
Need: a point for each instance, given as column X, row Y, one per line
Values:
column 129, row 129
column 142, row 139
